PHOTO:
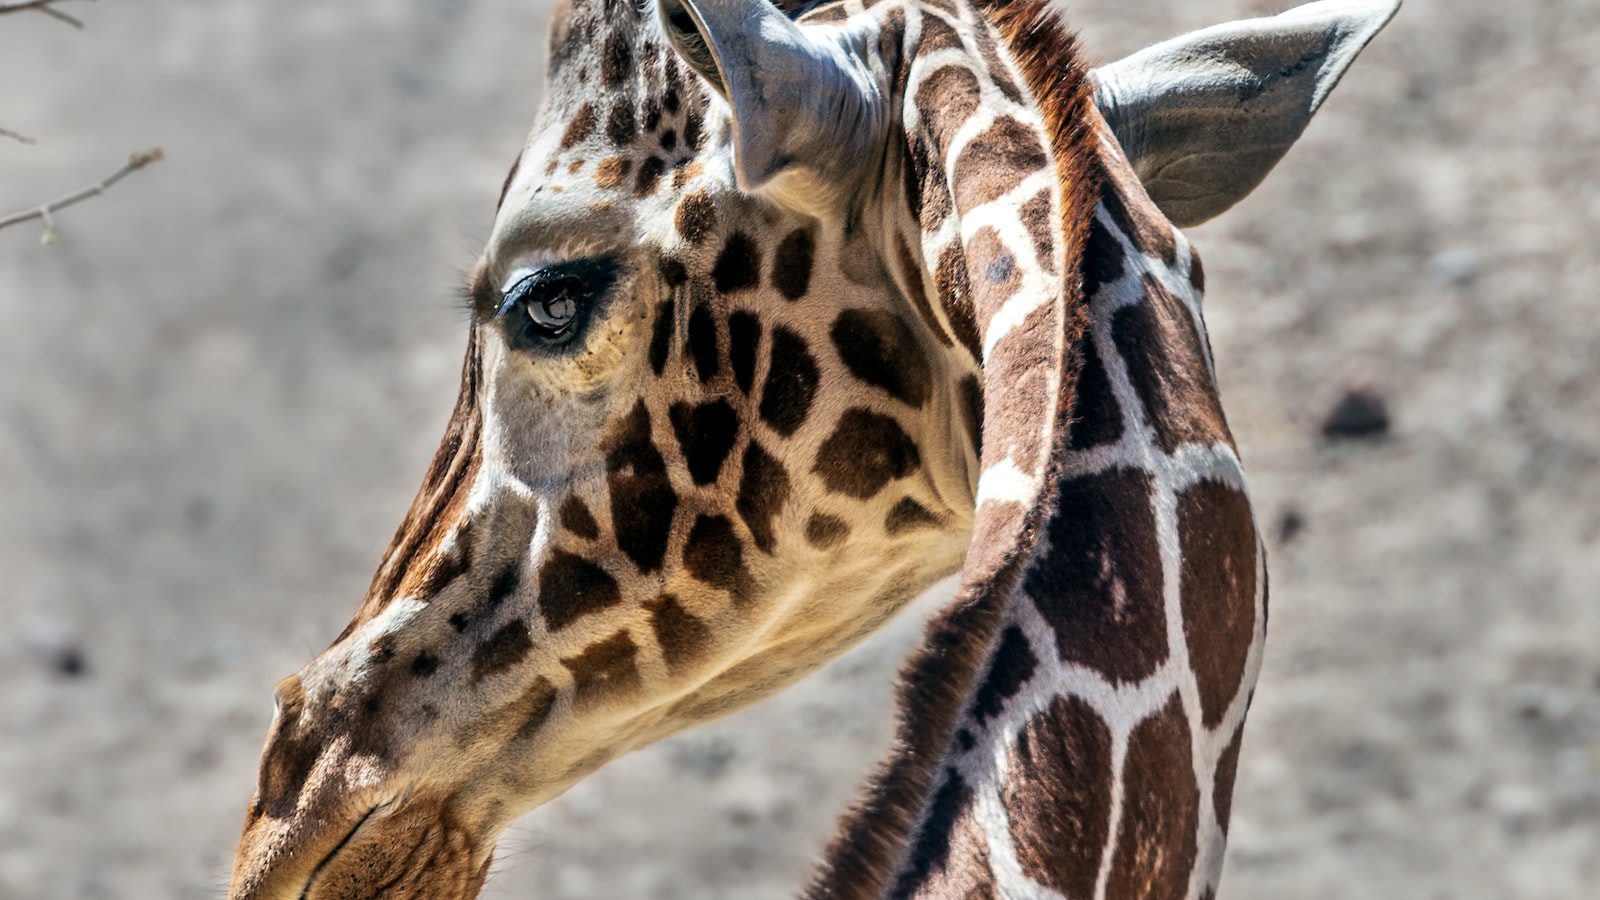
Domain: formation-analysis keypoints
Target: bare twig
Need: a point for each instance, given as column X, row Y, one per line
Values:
column 45, row 6
column 47, row 211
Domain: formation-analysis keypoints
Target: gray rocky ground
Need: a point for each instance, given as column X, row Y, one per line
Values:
column 219, row 390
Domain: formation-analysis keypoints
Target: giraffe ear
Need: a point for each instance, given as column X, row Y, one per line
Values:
column 803, row 100
column 1204, row 117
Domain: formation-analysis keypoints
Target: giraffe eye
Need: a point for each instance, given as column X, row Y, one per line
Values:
column 545, row 305
column 546, row 302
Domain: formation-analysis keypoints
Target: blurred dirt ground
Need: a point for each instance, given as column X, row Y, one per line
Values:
column 219, row 390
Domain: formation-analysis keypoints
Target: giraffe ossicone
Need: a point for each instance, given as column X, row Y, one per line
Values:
column 787, row 313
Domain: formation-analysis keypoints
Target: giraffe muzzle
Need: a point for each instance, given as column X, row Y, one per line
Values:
column 316, row 873
column 409, row 849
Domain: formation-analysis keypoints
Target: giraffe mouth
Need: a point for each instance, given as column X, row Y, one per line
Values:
column 400, row 850
column 311, row 882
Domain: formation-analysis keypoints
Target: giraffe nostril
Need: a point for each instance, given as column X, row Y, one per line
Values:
column 288, row 698
column 289, row 755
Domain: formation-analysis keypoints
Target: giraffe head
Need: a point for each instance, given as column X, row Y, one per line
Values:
column 722, row 414
column 708, row 436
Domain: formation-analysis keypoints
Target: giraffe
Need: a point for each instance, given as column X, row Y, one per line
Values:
column 786, row 314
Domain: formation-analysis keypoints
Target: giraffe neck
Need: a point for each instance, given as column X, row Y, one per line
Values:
column 1074, row 729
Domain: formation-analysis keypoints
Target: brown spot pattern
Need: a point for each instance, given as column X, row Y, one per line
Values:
column 955, row 295
column 972, row 409
column 946, row 99
column 1218, row 540
column 616, row 59
column 927, row 191
column 744, row 342
column 949, row 855
column 611, row 172
column 1098, row 580
column 792, row 378
column 1222, row 779
column 1162, row 347
column 713, row 554
column 826, row 532
column 763, row 489
column 533, row 707
column 738, row 266
column 649, row 176
column 706, row 433
column 908, row 515
column 933, row 683
column 607, row 668
column 999, row 72
column 579, row 127
column 1197, row 272
column 913, row 172
column 791, row 264
column 1136, row 216
column 1013, row 664
column 1096, row 416
column 576, row 518
column 681, row 635
column 694, row 133
column 996, row 161
column 991, row 262
column 938, row 35
column 823, row 15
column 1059, row 800
column 865, row 452
column 661, row 337
column 383, row 649
column 916, row 290
column 1041, row 224
column 504, row 585
column 704, row 347
column 1025, row 393
column 879, row 348
column 695, row 217
column 1103, row 258
column 502, row 650
column 571, row 587
column 620, row 127
column 1160, row 812
column 642, row 498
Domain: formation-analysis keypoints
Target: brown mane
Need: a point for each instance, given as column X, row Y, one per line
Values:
column 412, row 558
column 937, row 679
